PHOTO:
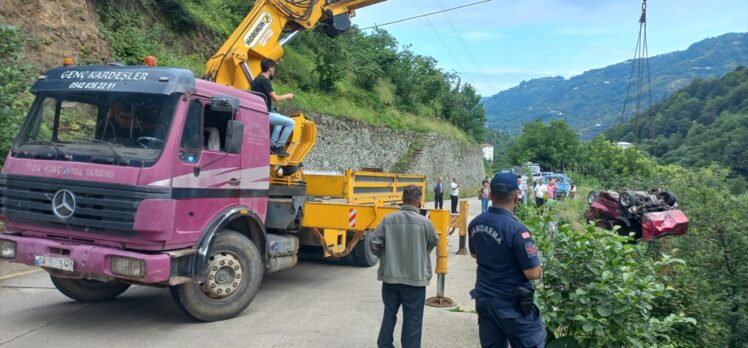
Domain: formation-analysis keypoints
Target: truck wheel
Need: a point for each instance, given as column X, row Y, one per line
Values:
column 234, row 274
column 626, row 199
column 87, row 290
column 361, row 254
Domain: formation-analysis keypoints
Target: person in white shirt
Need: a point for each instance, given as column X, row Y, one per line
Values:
column 540, row 191
column 522, row 190
column 454, row 194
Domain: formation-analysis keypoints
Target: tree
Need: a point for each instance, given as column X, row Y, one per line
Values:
column 552, row 145
column 15, row 75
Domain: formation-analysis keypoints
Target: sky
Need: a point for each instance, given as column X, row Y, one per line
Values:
column 496, row 45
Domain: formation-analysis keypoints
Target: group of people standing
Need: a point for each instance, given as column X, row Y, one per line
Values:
column 544, row 192
column 506, row 255
column 454, row 194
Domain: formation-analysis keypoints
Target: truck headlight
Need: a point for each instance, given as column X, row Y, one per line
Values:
column 7, row 249
column 128, row 267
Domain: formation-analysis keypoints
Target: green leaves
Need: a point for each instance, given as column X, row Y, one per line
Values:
column 604, row 310
column 552, row 145
column 15, row 77
column 595, row 288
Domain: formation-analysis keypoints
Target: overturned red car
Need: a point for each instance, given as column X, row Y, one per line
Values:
column 648, row 215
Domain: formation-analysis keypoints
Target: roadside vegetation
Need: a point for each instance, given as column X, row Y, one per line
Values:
column 600, row 290
column 15, row 75
column 365, row 76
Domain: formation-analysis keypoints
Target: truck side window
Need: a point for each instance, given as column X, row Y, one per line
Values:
column 215, row 124
column 192, row 133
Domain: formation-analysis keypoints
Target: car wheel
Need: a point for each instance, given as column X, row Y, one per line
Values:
column 627, row 199
column 592, row 197
column 668, row 198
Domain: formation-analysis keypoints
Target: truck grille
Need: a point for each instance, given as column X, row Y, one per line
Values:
column 100, row 208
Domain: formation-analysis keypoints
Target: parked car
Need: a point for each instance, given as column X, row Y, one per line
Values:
column 563, row 184
column 648, row 215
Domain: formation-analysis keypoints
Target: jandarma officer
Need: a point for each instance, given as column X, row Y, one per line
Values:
column 507, row 260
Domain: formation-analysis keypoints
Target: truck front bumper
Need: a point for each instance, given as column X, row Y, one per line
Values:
column 89, row 261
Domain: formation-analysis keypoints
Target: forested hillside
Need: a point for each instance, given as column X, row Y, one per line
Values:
column 592, row 102
column 361, row 75
column 703, row 123
column 364, row 75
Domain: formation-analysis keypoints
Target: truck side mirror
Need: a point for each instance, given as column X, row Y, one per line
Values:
column 234, row 136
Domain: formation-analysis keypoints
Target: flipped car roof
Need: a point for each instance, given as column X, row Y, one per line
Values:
column 113, row 78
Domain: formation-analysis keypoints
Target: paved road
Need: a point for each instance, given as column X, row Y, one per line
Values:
column 311, row 305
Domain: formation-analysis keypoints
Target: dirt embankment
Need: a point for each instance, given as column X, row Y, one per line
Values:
column 55, row 28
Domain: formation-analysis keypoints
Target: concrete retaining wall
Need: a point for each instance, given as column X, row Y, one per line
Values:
column 343, row 144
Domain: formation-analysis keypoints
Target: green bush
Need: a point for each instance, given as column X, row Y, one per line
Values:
column 596, row 288
column 15, row 76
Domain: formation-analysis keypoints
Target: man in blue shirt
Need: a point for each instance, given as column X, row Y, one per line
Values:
column 507, row 260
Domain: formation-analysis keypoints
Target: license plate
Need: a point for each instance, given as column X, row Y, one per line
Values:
column 54, row 262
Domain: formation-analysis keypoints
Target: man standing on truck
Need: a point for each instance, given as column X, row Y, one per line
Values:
column 403, row 242
column 282, row 125
column 507, row 260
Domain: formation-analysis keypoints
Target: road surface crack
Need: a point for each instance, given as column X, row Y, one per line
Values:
column 47, row 324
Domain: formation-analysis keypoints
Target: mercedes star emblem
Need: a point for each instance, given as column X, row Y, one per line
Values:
column 63, row 204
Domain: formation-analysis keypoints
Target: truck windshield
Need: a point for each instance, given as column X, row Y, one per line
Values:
column 115, row 128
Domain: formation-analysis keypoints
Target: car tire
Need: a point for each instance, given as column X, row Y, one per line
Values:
column 627, row 199
column 208, row 301
column 87, row 290
column 668, row 197
column 592, row 197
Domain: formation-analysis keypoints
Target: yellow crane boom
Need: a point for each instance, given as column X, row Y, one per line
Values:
column 270, row 25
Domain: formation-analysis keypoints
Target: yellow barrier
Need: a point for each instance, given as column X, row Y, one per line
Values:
column 462, row 223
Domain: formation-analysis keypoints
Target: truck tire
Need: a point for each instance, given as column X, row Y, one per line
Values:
column 87, row 290
column 361, row 255
column 234, row 274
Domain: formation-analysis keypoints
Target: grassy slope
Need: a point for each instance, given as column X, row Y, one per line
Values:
column 140, row 28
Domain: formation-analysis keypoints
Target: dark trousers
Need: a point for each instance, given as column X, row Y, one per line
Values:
column 412, row 298
column 439, row 201
column 539, row 201
column 497, row 326
column 454, row 203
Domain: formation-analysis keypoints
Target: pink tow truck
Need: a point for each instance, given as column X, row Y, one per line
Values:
column 127, row 175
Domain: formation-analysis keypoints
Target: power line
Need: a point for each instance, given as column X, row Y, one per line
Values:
column 444, row 43
column 427, row 14
column 467, row 49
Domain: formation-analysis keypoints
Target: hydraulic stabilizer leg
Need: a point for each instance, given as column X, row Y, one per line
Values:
column 441, row 272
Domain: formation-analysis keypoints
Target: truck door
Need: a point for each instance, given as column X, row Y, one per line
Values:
column 255, row 156
column 211, row 177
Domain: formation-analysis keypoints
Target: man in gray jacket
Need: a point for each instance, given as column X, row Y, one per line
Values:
column 403, row 242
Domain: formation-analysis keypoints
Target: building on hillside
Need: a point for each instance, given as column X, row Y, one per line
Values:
column 487, row 151
column 624, row 145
